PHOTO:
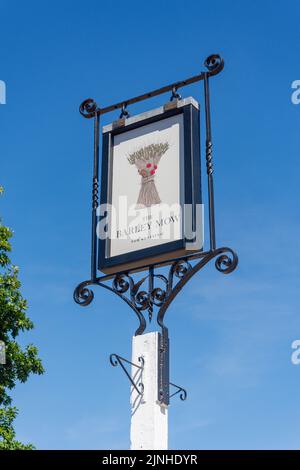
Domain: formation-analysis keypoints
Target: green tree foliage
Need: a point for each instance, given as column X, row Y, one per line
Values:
column 7, row 433
column 20, row 362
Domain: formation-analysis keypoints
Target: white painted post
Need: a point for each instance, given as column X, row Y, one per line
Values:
column 149, row 420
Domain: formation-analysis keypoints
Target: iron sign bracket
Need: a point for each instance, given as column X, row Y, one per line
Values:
column 156, row 290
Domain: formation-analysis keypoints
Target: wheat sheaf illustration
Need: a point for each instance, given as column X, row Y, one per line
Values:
column 146, row 160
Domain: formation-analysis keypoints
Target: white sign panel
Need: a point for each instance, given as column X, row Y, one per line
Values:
column 150, row 188
column 146, row 186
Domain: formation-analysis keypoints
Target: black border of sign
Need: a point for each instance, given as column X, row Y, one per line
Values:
column 192, row 183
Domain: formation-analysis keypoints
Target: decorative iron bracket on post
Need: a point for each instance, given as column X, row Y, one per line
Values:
column 115, row 359
column 156, row 291
column 182, row 391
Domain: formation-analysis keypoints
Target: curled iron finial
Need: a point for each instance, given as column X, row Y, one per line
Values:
column 121, row 284
column 181, row 268
column 88, row 108
column 226, row 263
column 158, row 296
column 82, row 295
column 141, row 300
column 179, row 390
column 214, row 64
column 113, row 360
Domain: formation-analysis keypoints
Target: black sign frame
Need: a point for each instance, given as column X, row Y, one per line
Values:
column 191, row 181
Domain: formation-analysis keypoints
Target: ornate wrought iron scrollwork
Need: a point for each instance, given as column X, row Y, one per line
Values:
column 184, row 270
column 136, row 295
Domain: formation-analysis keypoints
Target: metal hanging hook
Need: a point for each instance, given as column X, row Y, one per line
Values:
column 175, row 95
column 124, row 112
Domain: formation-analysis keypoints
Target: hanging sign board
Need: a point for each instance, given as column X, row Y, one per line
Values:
column 150, row 209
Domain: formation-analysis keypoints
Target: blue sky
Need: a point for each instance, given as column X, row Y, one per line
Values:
column 230, row 335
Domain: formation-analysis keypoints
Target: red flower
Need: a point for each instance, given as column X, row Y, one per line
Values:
column 155, row 166
column 149, row 165
column 152, row 172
